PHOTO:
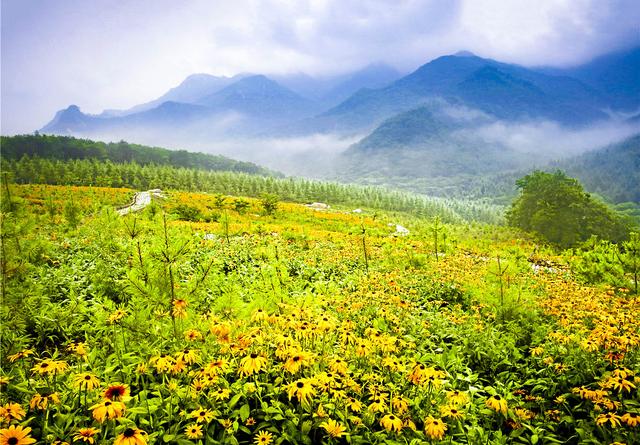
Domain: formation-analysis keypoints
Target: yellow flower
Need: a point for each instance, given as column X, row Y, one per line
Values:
column 116, row 316
column 108, row 409
column 620, row 384
column 297, row 360
column 86, row 380
column 611, row 418
column 302, row 389
column 452, row 412
column 497, row 403
column 457, row 397
column 537, row 351
column 117, row 392
column 400, row 404
column 391, row 423
column 85, row 435
column 263, row 438
column 179, row 309
column 131, row 436
column 12, row 411
column 50, row 367
column 41, row 401
column 192, row 335
column 16, row 435
column 221, row 394
column 22, row 354
column 523, row 414
column 434, row 428
column 193, row 431
column 631, row 419
column 354, row 404
column 188, row 356
column 202, row 415
column 252, row 364
column 333, row 428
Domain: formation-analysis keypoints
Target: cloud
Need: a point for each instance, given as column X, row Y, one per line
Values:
column 115, row 54
column 548, row 140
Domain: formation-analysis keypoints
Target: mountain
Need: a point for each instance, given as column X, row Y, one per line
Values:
column 426, row 151
column 617, row 75
column 248, row 105
column 612, row 171
column 259, row 96
column 192, row 89
column 501, row 90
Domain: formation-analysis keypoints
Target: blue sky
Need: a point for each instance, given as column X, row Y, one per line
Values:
column 114, row 54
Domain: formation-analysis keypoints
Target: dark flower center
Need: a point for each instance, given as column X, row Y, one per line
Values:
column 496, row 397
column 107, row 403
column 296, row 359
column 129, row 432
column 254, row 355
column 392, row 417
column 300, row 385
column 202, row 413
column 12, row 441
column 87, row 377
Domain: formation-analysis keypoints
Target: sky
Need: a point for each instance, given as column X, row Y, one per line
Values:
column 106, row 54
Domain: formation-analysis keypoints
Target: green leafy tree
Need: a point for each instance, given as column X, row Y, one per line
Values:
column 269, row 203
column 556, row 207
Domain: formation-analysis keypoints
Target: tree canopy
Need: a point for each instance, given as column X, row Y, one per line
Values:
column 556, row 207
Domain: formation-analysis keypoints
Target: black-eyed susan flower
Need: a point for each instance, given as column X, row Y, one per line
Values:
column 457, row 397
column 22, row 354
column 179, row 309
column 391, row 422
column 193, row 431
column 451, row 412
column 620, row 384
column 221, row 394
column 608, row 418
column 302, row 389
column 192, row 335
column 12, row 411
column 333, row 428
column 188, row 356
column 434, row 428
column 202, row 415
column 252, row 364
column 497, row 403
column 43, row 400
column 263, row 438
column 107, row 410
column 354, row 405
column 631, row 419
column 131, row 436
column 117, row 392
column 85, row 435
column 86, row 380
column 117, row 315
column 50, row 367
column 16, row 435
column 296, row 360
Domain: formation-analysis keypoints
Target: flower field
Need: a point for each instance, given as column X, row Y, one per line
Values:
column 298, row 327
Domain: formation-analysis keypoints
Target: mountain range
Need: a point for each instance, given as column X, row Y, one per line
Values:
column 406, row 128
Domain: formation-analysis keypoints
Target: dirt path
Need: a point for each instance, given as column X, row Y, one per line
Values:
column 140, row 201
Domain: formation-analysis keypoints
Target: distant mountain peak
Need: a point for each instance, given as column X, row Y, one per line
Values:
column 464, row 53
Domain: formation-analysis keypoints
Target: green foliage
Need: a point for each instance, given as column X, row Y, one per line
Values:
column 269, row 203
column 557, row 208
column 67, row 148
column 186, row 212
column 72, row 214
column 108, row 174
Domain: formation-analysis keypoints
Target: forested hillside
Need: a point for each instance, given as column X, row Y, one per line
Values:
column 68, row 148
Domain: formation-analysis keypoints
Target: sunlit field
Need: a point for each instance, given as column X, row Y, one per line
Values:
column 217, row 319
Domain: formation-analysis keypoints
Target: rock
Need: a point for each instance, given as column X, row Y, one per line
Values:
column 318, row 206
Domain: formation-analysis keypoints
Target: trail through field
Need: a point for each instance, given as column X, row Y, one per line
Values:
column 140, row 201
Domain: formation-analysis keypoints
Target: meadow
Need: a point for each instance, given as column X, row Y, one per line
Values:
column 211, row 319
